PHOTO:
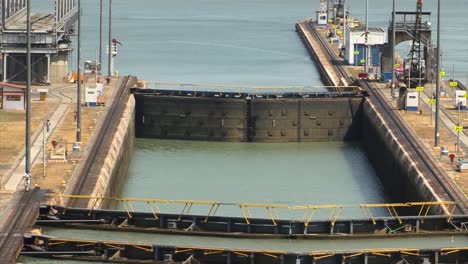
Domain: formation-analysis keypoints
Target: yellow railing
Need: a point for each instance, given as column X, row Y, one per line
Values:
column 309, row 211
column 317, row 255
column 275, row 89
column 446, row 206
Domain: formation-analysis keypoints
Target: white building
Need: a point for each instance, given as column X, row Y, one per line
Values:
column 356, row 40
column 12, row 96
column 321, row 17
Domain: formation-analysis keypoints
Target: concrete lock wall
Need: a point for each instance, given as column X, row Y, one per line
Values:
column 398, row 172
column 259, row 120
column 113, row 173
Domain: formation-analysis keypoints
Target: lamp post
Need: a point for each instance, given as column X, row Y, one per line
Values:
column 28, row 89
column 109, row 62
column 44, row 124
column 78, row 90
column 458, row 127
column 100, row 35
column 366, row 37
column 393, row 90
column 436, row 132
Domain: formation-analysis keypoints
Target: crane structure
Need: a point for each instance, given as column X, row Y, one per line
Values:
column 414, row 63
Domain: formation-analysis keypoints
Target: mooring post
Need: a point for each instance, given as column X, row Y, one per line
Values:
column 228, row 256
column 252, row 258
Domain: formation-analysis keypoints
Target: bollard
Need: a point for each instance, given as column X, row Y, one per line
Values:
column 452, row 158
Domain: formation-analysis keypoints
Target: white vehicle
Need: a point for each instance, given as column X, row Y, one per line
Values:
column 462, row 165
column 92, row 67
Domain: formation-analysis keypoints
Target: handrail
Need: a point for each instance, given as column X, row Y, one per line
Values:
column 334, row 210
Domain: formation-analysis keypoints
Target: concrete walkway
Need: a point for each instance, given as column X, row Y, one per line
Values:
column 445, row 120
column 15, row 176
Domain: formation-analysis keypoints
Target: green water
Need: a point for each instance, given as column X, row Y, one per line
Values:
column 276, row 173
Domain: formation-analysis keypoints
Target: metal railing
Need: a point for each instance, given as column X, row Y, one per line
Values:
column 273, row 210
column 251, row 89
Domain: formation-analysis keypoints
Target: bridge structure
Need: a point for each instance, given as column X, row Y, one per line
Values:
column 50, row 41
column 142, row 231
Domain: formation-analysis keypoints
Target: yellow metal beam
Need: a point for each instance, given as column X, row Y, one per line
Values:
column 272, row 209
column 353, row 255
column 147, row 249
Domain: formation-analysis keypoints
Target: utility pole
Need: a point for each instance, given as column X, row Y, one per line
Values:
column 28, row 89
column 77, row 145
column 458, row 126
column 109, row 62
column 100, row 35
column 393, row 89
column 437, row 136
column 366, row 55
column 44, row 124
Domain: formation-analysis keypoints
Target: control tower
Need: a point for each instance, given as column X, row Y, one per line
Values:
column 50, row 41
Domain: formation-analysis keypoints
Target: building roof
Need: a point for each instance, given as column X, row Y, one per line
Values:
column 363, row 29
column 12, row 85
column 39, row 22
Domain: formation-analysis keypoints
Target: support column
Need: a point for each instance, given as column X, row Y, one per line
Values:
column 228, row 260
column 366, row 258
column 48, row 68
column 5, row 67
column 436, row 257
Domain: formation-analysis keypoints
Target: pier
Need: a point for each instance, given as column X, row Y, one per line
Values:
column 425, row 220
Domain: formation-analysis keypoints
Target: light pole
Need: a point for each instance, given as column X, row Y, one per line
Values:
column 393, row 91
column 100, row 35
column 109, row 62
column 437, row 136
column 366, row 57
column 28, row 89
column 77, row 144
column 44, row 124
column 458, row 127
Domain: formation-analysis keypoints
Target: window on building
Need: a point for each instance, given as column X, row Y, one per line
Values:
column 13, row 97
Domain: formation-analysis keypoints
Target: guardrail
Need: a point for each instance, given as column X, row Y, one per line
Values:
column 259, row 89
column 272, row 210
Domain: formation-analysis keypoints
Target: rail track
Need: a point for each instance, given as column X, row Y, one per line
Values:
column 18, row 217
column 100, row 143
column 408, row 137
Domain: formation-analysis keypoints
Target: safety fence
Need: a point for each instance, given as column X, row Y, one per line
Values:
column 274, row 212
column 252, row 89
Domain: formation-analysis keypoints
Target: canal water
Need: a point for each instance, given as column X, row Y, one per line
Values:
column 249, row 42
column 272, row 173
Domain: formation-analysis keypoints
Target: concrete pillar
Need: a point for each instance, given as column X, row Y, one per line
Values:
column 252, row 258
column 58, row 68
column 366, row 259
column 228, row 258
column 351, row 228
column 436, row 257
column 48, row 68
column 386, row 64
column 5, row 67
